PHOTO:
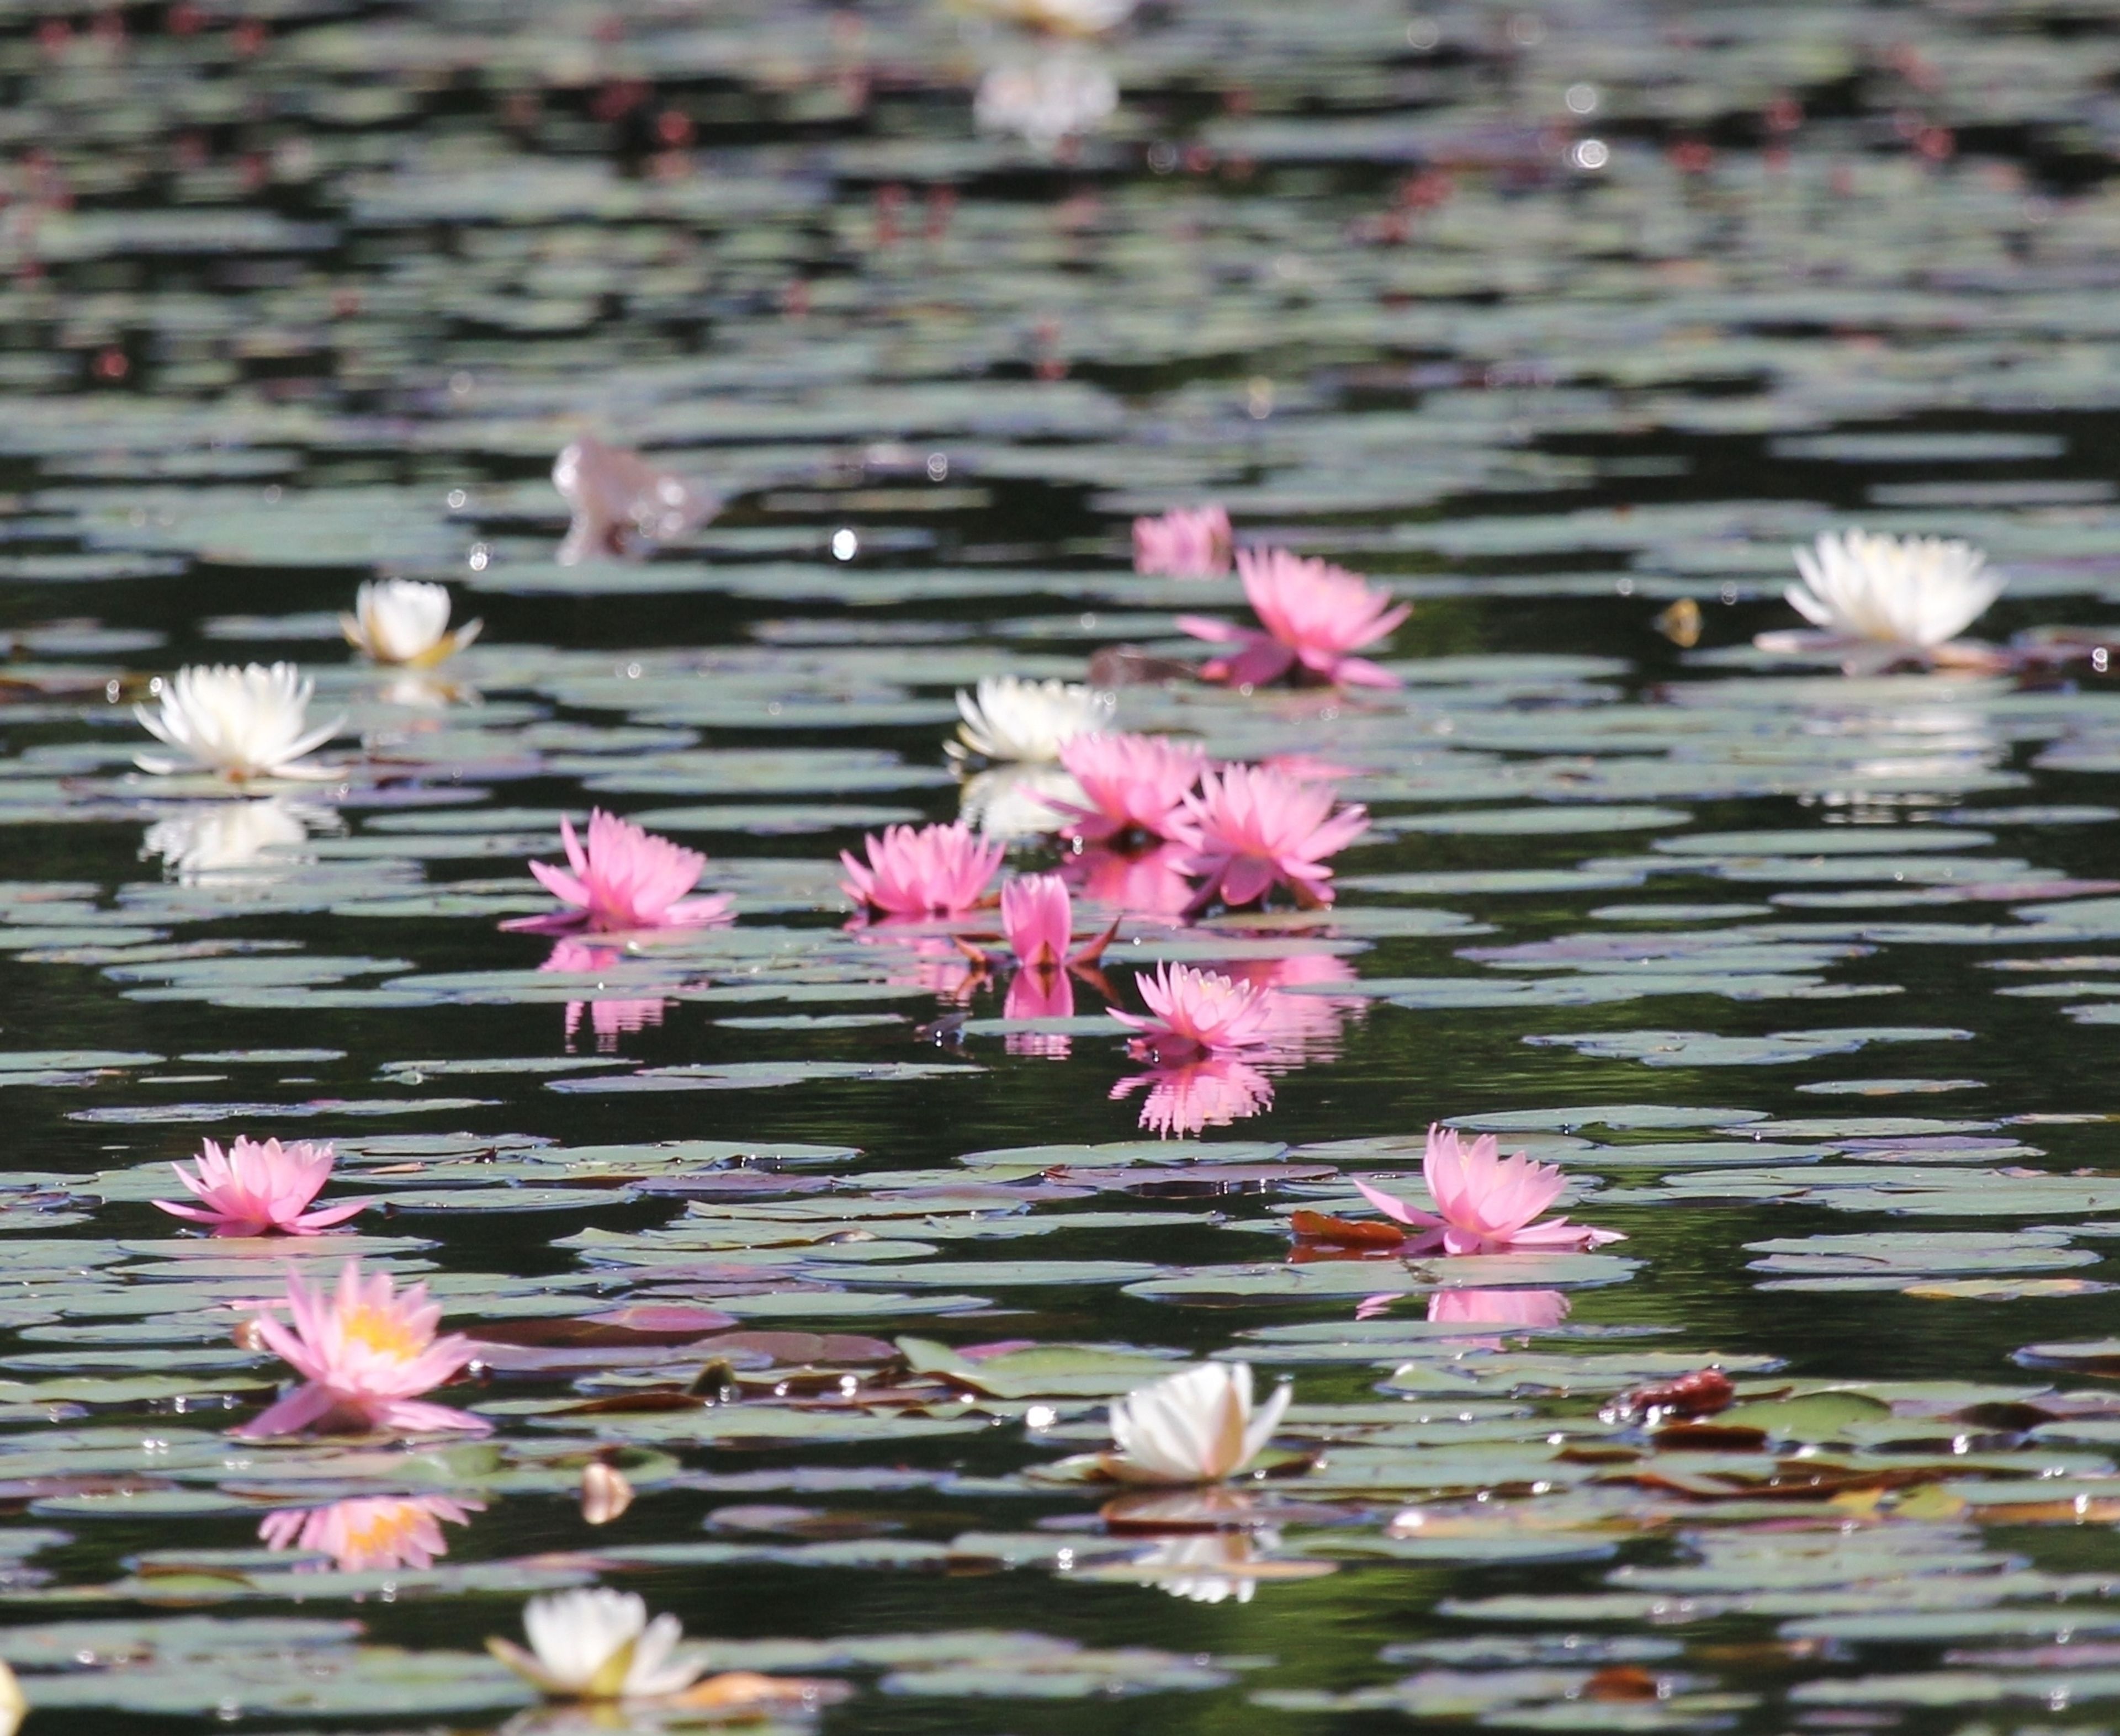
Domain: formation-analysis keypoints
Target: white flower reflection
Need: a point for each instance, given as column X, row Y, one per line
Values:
column 226, row 842
column 1016, row 801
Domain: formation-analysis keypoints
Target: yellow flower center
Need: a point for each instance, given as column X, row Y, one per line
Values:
column 383, row 1331
column 384, row 1530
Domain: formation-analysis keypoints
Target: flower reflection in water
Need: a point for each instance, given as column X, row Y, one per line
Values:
column 609, row 1019
column 1211, row 1093
column 1305, row 1025
column 234, row 842
column 1150, row 883
column 1039, row 994
column 1010, row 801
column 1534, row 1308
column 369, row 1532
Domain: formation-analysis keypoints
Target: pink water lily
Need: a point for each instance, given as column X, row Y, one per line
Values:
column 1132, row 785
column 1195, row 1013
column 1211, row 1092
column 365, row 1533
column 367, row 1353
column 1485, row 1203
column 1314, row 616
column 625, row 878
column 256, row 1189
column 1189, row 542
column 1247, row 829
column 936, row 871
column 1039, row 919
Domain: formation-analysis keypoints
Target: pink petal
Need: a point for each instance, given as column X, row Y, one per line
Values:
column 1397, row 1210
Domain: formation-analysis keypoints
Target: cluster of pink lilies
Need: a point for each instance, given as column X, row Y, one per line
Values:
column 367, row 1353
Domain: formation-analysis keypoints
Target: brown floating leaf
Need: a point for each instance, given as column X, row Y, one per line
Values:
column 1621, row 1682
column 1346, row 1232
column 1700, row 1394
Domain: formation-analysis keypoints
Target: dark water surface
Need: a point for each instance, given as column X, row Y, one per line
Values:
column 1548, row 318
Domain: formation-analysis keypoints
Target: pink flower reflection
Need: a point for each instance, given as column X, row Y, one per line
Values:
column 934, row 963
column 610, row 1019
column 1190, row 542
column 1532, row 1308
column 1211, row 1093
column 1304, row 1027
column 1039, row 994
column 1151, row 883
column 367, row 1532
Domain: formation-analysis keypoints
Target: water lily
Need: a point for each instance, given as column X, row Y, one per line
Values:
column 238, row 723
column 1188, row 543
column 596, row 1644
column 367, row 1352
column 1039, row 919
column 1047, row 101
column 1485, row 1203
column 934, row 872
column 1195, row 1095
column 622, row 504
column 1131, row 786
column 1913, row 593
column 1247, row 829
column 1196, row 1427
column 367, row 1532
column 625, row 878
column 1064, row 18
column 606, row 1494
column 1011, row 718
column 1195, row 1013
column 1314, row 616
column 254, row 1190
column 405, row 621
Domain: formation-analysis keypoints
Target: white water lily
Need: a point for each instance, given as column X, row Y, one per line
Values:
column 1057, row 96
column 242, row 723
column 1196, row 1426
column 597, row 1644
column 1917, row 591
column 405, row 620
column 1011, row 718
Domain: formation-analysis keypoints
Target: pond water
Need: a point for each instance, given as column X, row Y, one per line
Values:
column 1564, row 323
